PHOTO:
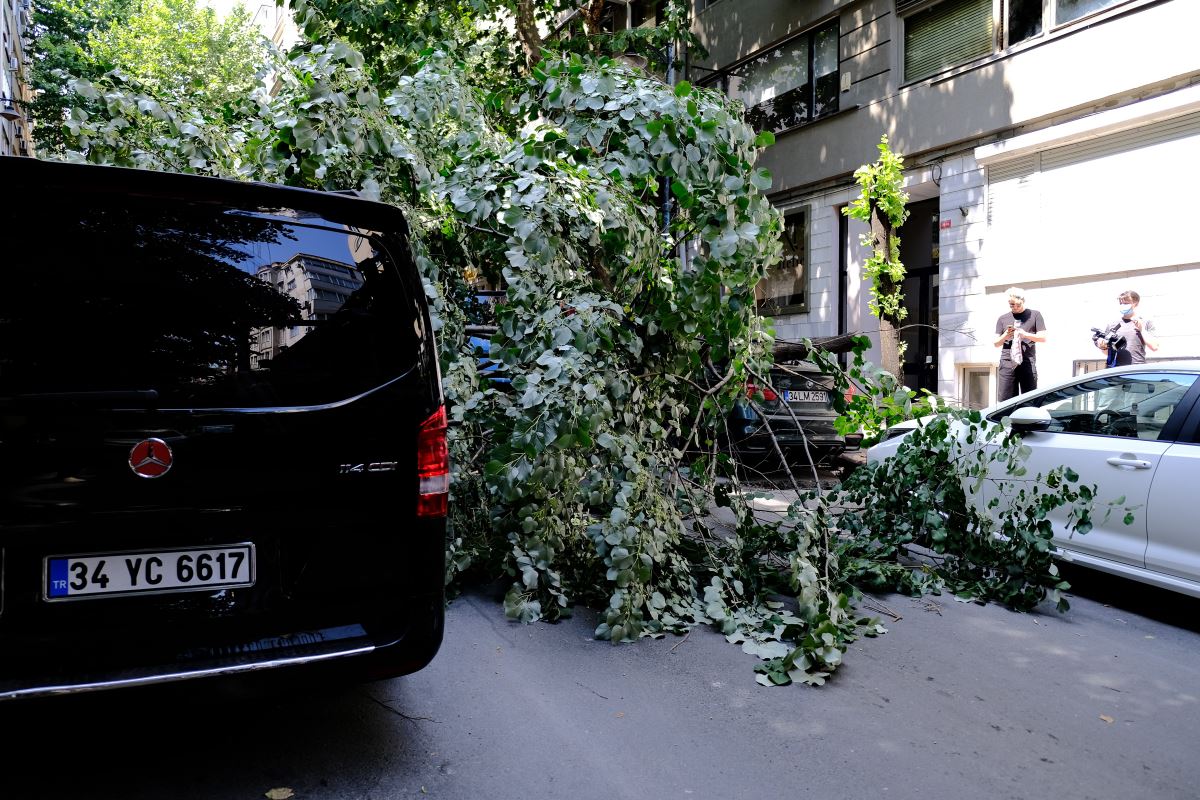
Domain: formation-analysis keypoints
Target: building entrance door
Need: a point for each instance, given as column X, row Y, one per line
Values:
column 919, row 332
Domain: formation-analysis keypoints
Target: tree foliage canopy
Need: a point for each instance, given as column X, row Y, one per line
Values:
column 163, row 45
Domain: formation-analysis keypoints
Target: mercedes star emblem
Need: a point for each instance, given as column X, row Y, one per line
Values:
column 151, row 458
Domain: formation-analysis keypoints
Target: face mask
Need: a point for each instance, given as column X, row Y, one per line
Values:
column 1126, row 310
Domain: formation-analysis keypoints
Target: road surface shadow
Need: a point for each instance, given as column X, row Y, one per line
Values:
column 1161, row 605
column 187, row 744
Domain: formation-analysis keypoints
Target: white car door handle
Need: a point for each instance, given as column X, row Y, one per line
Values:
column 1134, row 463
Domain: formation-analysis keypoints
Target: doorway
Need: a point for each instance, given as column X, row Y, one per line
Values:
column 919, row 250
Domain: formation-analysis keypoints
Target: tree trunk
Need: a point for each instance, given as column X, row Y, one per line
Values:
column 591, row 16
column 889, row 349
column 889, row 333
column 527, row 32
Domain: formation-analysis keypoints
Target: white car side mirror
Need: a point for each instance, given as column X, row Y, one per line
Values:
column 1030, row 419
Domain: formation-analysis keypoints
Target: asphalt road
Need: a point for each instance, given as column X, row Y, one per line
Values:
column 957, row 700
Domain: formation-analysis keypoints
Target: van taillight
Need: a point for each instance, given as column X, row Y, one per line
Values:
column 433, row 466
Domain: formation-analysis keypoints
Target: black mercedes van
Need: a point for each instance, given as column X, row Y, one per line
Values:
column 222, row 439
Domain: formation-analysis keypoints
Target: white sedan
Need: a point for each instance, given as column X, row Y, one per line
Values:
column 1133, row 431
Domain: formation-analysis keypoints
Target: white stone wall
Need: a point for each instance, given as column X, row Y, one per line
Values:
column 963, row 311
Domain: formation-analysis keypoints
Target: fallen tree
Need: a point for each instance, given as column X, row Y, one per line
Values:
column 594, row 475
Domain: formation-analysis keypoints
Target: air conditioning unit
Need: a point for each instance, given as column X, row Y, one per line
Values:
column 13, row 64
column 9, row 111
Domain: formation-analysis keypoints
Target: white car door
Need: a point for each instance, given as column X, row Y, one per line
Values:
column 1106, row 429
column 1174, row 540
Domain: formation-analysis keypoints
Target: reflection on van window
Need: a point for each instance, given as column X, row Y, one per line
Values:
column 319, row 286
column 209, row 307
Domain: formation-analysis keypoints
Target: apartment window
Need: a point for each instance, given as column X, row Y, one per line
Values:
column 1023, row 20
column 977, row 386
column 791, row 84
column 1026, row 19
column 785, row 289
column 945, row 35
column 952, row 32
column 645, row 12
column 1071, row 10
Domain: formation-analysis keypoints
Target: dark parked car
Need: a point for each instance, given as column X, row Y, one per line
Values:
column 798, row 409
column 222, row 441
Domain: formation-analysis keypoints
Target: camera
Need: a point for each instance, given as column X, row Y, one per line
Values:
column 1114, row 340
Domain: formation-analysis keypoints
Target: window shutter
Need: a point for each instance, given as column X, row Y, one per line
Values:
column 1110, row 200
column 950, row 33
column 1014, row 218
column 1100, row 206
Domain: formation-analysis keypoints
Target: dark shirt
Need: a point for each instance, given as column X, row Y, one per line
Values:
column 1029, row 321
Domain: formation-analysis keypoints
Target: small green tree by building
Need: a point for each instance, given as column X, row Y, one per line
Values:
column 882, row 206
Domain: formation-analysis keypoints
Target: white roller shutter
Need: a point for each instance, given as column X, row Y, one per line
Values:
column 1109, row 204
column 1013, row 242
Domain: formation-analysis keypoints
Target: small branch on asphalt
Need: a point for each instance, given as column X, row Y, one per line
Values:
column 400, row 714
column 590, row 689
column 875, row 605
column 681, row 641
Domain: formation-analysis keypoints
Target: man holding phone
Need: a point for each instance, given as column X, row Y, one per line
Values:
column 1017, row 333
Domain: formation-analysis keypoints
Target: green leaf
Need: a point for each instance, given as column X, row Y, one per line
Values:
column 681, row 192
column 761, row 180
column 683, row 89
column 764, row 139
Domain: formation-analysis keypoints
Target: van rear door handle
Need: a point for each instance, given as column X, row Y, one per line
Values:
column 1134, row 463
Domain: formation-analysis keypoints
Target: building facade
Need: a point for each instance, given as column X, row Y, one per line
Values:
column 15, row 92
column 1049, row 144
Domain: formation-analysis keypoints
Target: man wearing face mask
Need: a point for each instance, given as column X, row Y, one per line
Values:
column 1139, row 333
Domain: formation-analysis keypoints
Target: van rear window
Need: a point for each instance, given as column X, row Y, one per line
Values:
column 198, row 305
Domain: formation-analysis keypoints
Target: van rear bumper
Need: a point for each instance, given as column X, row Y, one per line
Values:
column 350, row 652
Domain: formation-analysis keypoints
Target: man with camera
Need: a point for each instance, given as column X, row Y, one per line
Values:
column 1127, row 340
column 1017, row 332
